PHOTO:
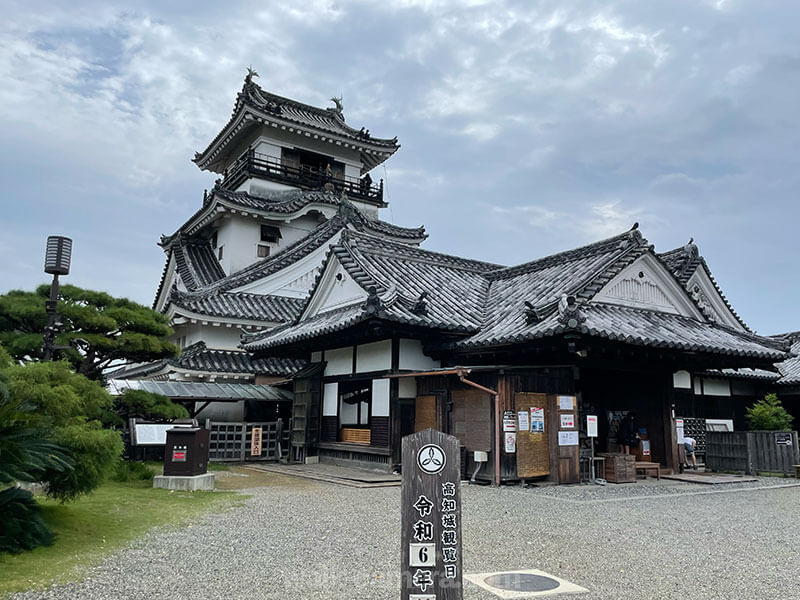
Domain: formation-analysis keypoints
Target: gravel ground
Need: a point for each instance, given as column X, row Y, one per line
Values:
column 315, row 540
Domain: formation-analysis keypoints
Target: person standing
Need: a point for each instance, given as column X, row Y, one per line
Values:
column 627, row 436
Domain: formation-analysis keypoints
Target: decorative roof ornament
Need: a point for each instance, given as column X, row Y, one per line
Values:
column 251, row 72
column 691, row 250
column 339, row 109
column 635, row 235
column 421, row 305
column 532, row 317
column 373, row 304
column 569, row 312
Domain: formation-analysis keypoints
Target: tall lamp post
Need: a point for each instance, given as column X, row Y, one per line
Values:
column 56, row 262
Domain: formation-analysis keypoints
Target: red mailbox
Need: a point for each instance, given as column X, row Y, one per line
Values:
column 186, row 452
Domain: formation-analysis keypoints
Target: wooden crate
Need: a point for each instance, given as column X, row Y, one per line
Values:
column 356, row 436
column 620, row 468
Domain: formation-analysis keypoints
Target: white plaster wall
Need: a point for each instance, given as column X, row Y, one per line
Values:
column 412, row 357
column 336, row 290
column 238, row 237
column 221, row 337
column 682, row 380
column 262, row 187
column 380, row 397
column 330, row 399
column 376, row 356
column 716, row 387
column 407, row 387
column 698, row 386
column 340, row 361
column 287, row 139
column 297, row 229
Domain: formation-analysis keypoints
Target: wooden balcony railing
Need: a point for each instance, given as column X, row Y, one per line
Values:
column 254, row 164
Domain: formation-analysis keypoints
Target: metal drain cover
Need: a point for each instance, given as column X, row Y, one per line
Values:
column 522, row 582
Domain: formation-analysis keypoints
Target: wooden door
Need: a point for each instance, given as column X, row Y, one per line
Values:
column 533, row 447
column 568, row 456
column 472, row 419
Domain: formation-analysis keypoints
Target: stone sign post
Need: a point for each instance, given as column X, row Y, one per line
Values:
column 431, row 523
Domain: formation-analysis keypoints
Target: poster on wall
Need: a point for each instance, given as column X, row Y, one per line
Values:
column 567, row 421
column 567, row 438
column 522, row 418
column 537, row 419
column 511, row 443
column 591, row 425
column 509, row 424
column 679, row 430
column 566, row 402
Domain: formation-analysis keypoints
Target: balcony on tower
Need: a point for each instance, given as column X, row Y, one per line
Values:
column 301, row 169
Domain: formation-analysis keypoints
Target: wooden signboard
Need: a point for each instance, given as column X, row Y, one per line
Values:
column 255, row 441
column 533, row 450
column 425, row 413
column 430, row 543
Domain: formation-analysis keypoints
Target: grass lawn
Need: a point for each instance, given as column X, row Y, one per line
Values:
column 94, row 526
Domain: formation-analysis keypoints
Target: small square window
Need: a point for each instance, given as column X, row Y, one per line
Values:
column 270, row 233
column 263, row 251
column 219, row 253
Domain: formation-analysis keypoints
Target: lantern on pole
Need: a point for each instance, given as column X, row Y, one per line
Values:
column 56, row 262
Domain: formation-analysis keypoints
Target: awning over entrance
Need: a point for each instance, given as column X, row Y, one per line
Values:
column 221, row 392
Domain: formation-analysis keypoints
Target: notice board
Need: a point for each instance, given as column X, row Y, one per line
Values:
column 533, row 453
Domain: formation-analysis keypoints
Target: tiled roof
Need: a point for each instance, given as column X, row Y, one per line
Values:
column 683, row 262
column 239, row 305
column 752, row 374
column 278, row 204
column 790, row 369
column 347, row 216
column 198, row 357
column 581, row 272
column 197, row 264
column 487, row 304
column 254, row 106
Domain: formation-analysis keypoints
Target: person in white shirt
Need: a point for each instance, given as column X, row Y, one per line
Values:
column 689, row 446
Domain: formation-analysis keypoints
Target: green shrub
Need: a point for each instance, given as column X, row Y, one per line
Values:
column 69, row 408
column 21, row 524
column 131, row 470
column 768, row 415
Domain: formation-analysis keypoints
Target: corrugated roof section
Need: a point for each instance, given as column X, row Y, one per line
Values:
column 201, row 391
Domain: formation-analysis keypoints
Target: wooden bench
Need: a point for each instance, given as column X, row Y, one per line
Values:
column 647, row 467
column 796, row 471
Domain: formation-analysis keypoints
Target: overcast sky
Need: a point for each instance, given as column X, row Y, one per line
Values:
column 526, row 127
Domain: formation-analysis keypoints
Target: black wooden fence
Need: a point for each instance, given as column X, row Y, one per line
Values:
column 751, row 452
column 231, row 442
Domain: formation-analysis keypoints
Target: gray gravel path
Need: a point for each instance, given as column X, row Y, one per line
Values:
column 316, row 540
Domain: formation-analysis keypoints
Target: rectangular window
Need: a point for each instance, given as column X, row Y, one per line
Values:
column 214, row 240
column 263, row 251
column 355, row 403
column 270, row 233
column 219, row 253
